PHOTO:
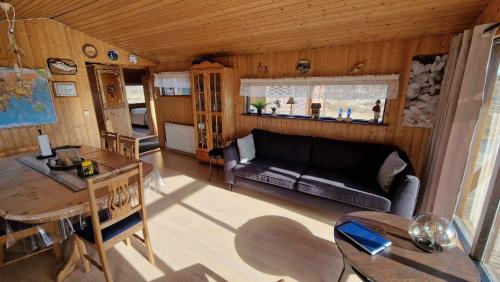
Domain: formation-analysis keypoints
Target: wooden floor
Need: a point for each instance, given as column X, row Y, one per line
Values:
column 203, row 232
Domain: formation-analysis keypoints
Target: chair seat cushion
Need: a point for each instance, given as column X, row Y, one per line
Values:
column 216, row 152
column 345, row 186
column 272, row 172
column 109, row 232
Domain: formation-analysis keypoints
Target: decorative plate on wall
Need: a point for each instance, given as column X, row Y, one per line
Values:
column 132, row 59
column 113, row 55
column 89, row 50
column 303, row 66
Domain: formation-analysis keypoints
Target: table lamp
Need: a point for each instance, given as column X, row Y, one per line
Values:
column 291, row 102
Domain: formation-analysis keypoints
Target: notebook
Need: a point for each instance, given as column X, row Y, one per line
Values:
column 367, row 239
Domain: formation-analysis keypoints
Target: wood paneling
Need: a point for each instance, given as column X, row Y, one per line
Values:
column 41, row 39
column 491, row 13
column 384, row 57
column 173, row 30
column 173, row 109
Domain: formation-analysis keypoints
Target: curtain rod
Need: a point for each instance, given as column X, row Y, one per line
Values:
column 491, row 27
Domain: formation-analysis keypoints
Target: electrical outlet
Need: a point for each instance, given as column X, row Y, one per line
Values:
column 86, row 113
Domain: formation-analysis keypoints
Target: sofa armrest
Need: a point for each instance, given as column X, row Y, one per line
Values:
column 231, row 159
column 404, row 198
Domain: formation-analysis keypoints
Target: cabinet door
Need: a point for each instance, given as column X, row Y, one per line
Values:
column 202, row 130
column 215, row 90
column 216, row 127
column 199, row 91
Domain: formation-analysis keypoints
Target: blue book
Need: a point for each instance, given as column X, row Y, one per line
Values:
column 367, row 239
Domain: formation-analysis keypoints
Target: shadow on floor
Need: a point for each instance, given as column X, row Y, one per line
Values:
column 261, row 243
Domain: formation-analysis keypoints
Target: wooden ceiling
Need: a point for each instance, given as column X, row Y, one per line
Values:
column 172, row 30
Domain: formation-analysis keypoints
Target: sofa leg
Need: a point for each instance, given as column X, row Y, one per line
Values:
column 231, row 187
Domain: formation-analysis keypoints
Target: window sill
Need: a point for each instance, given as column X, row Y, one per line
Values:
column 308, row 118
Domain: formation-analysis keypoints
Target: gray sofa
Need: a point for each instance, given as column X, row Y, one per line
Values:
column 333, row 169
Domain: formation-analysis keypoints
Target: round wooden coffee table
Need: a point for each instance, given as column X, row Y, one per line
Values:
column 403, row 260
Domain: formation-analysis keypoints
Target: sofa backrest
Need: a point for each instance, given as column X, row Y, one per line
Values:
column 335, row 154
column 282, row 147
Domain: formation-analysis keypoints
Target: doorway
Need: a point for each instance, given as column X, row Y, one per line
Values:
column 140, row 102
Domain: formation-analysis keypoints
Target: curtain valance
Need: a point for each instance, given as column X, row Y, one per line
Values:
column 386, row 85
column 172, row 79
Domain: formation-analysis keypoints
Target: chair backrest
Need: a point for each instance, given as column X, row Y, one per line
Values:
column 128, row 146
column 109, row 141
column 116, row 188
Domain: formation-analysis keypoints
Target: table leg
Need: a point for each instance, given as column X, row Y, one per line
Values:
column 71, row 262
column 348, row 274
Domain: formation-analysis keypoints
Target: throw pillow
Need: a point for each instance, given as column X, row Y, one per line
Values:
column 392, row 165
column 246, row 147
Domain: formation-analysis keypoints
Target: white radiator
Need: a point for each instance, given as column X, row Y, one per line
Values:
column 180, row 137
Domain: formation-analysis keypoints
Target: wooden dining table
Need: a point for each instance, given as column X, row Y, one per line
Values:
column 29, row 196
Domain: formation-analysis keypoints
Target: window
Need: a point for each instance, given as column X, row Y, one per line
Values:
column 135, row 94
column 360, row 104
column 477, row 210
column 358, row 95
column 173, row 83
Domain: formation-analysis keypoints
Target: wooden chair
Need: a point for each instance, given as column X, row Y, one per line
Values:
column 128, row 146
column 119, row 222
column 109, row 141
column 22, row 231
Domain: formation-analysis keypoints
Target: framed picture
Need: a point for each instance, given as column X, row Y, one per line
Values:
column 65, row 89
column 424, row 87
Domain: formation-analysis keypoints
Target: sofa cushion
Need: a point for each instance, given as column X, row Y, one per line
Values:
column 346, row 186
column 335, row 154
column 282, row 147
column 271, row 172
column 109, row 232
column 246, row 147
column 392, row 165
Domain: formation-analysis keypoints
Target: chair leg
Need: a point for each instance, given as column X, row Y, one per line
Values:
column 83, row 251
column 56, row 248
column 147, row 241
column 209, row 169
column 105, row 265
column 2, row 254
column 127, row 242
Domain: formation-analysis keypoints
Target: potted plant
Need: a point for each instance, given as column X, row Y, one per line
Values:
column 259, row 105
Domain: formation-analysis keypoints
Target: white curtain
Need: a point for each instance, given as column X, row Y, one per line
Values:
column 352, row 86
column 172, row 79
column 456, row 117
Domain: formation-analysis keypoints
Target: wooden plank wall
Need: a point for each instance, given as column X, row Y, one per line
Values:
column 172, row 109
column 41, row 39
column 491, row 14
column 384, row 57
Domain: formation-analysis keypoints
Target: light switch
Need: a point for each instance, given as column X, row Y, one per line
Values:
column 86, row 113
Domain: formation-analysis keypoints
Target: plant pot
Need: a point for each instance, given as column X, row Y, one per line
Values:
column 259, row 111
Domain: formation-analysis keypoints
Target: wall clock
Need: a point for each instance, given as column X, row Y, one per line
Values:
column 89, row 50
column 132, row 59
column 113, row 55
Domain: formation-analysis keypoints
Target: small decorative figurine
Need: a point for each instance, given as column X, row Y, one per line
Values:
column 349, row 112
column 376, row 111
column 340, row 118
column 315, row 110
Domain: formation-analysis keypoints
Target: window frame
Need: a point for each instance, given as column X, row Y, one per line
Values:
column 478, row 245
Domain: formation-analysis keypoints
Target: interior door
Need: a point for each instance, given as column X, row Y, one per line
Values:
column 113, row 100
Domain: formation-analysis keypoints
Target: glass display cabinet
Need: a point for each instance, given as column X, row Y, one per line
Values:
column 213, row 93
